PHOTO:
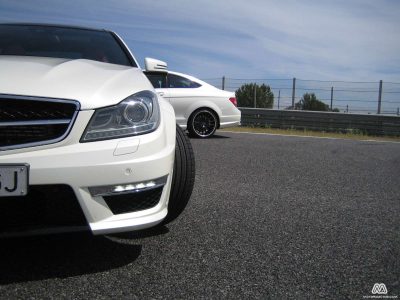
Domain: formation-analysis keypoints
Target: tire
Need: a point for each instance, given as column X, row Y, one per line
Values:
column 183, row 176
column 202, row 123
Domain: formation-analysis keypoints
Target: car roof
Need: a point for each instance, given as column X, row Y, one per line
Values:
column 54, row 25
column 189, row 77
column 203, row 83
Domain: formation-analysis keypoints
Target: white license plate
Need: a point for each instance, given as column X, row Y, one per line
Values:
column 14, row 180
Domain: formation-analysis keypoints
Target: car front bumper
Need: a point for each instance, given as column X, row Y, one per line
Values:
column 86, row 167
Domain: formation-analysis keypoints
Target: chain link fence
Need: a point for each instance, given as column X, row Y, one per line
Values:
column 346, row 96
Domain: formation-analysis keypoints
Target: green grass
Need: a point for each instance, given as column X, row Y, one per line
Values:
column 350, row 135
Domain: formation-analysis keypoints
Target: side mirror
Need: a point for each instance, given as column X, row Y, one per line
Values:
column 155, row 65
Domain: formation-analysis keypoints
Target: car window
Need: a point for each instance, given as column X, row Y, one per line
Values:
column 61, row 42
column 175, row 81
column 158, row 80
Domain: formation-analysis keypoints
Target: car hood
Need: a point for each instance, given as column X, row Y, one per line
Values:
column 94, row 84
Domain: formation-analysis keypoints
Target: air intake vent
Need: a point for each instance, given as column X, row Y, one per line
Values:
column 45, row 207
column 132, row 202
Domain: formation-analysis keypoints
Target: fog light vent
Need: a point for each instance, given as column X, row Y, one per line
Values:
column 131, row 202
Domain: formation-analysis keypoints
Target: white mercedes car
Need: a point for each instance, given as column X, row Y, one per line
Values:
column 199, row 107
column 85, row 142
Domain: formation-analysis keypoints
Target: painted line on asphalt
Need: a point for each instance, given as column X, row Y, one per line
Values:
column 307, row 136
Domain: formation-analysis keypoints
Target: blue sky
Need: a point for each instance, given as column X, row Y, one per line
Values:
column 357, row 40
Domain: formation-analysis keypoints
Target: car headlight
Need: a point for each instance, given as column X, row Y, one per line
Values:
column 137, row 114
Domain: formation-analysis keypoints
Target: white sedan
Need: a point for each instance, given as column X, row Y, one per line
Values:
column 199, row 107
column 85, row 141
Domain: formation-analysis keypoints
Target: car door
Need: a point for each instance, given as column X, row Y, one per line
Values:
column 182, row 92
column 159, row 82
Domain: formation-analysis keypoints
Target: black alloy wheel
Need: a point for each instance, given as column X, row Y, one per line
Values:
column 203, row 124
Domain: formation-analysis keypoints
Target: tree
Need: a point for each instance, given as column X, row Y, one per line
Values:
column 264, row 96
column 310, row 102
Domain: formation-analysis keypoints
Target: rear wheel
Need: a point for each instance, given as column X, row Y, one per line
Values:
column 202, row 123
column 183, row 176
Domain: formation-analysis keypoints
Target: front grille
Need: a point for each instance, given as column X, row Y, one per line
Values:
column 45, row 206
column 131, row 202
column 29, row 121
column 16, row 135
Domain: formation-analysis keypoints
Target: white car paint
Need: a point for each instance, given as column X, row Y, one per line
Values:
column 84, row 165
column 118, row 161
column 187, row 100
column 94, row 84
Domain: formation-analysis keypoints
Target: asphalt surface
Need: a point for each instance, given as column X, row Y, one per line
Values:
column 270, row 217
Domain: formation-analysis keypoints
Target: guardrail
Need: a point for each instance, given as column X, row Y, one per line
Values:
column 321, row 121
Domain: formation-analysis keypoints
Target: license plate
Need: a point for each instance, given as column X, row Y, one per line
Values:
column 14, row 180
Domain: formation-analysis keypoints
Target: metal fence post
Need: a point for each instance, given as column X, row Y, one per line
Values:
column 223, row 82
column 279, row 98
column 293, row 92
column 255, row 95
column 380, row 97
column 331, row 98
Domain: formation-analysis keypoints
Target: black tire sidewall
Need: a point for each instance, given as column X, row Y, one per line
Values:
column 183, row 176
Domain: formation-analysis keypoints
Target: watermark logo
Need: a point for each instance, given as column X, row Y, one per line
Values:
column 380, row 289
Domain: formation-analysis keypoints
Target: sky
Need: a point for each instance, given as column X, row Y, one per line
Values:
column 356, row 40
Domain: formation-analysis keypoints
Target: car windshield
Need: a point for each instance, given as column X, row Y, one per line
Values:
column 62, row 42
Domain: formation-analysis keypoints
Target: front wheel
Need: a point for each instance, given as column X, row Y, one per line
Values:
column 183, row 176
column 203, row 123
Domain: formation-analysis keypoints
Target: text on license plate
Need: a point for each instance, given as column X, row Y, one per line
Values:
column 14, row 180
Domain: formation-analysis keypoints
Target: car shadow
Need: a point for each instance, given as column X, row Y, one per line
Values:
column 215, row 136
column 151, row 232
column 61, row 256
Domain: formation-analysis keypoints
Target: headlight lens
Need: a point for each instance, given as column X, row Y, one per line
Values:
column 137, row 114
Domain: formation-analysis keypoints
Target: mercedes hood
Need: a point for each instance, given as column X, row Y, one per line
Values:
column 94, row 84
